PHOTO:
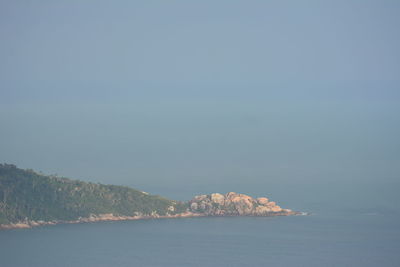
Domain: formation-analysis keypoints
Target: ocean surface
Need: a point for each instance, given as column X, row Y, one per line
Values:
column 326, row 238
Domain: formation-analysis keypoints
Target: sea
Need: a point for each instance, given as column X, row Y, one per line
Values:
column 336, row 233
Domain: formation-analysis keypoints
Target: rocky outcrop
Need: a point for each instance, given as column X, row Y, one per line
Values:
column 234, row 204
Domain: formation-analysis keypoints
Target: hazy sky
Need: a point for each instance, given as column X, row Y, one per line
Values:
column 196, row 94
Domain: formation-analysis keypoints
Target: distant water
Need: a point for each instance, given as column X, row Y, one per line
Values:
column 323, row 239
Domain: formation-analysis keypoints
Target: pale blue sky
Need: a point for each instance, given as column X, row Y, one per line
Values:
column 156, row 94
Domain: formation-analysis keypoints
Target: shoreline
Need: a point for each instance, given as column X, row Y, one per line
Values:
column 110, row 217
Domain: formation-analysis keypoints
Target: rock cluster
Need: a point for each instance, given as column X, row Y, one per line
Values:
column 232, row 204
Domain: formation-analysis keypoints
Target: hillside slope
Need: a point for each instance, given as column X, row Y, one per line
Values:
column 27, row 195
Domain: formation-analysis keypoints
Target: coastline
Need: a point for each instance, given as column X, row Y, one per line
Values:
column 111, row 217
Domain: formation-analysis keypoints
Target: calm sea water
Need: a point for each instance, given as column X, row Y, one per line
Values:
column 323, row 239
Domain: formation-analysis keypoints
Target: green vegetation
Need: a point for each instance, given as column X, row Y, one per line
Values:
column 25, row 194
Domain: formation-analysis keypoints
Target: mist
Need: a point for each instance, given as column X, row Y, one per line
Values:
column 178, row 98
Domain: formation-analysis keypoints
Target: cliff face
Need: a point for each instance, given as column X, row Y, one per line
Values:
column 234, row 204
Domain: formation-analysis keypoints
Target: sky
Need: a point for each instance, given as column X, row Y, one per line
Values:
column 183, row 97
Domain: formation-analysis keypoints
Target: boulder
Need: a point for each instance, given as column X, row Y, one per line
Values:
column 218, row 198
column 262, row 200
column 276, row 209
column 194, row 206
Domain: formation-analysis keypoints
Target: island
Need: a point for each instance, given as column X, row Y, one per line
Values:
column 29, row 199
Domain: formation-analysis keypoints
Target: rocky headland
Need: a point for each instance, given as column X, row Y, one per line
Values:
column 29, row 199
column 213, row 205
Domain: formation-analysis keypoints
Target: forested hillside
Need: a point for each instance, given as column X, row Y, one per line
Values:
column 27, row 195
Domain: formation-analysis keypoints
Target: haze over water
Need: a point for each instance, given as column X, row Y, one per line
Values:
column 318, row 240
column 295, row 101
